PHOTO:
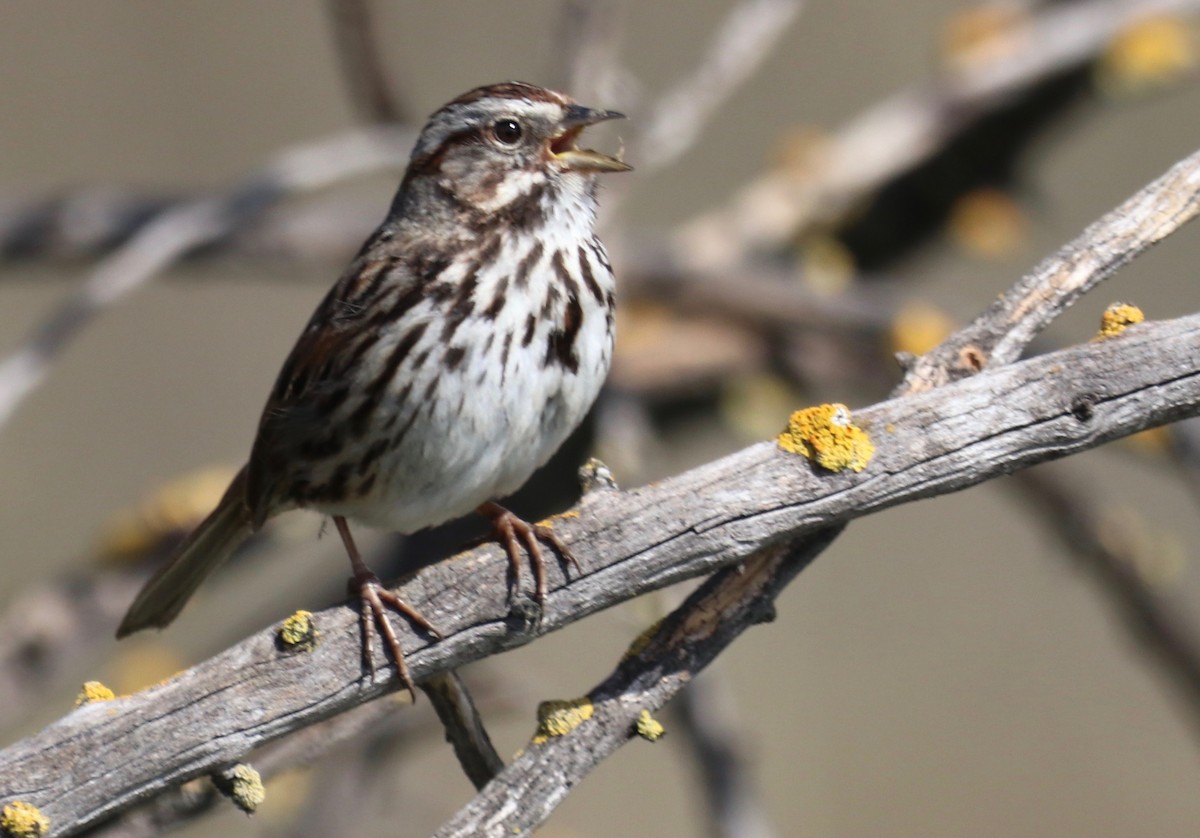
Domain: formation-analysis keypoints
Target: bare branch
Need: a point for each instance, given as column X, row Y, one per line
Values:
column 464, row 727
column 587, row 55
column 743, row 42
column 1000, row 334
column 898, row 133
column 526, row 792
column 362, row 65
column 90, row 764
column 1154, row 623
column 181, row 229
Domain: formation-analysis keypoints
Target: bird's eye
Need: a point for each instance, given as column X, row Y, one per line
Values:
column 507, row 131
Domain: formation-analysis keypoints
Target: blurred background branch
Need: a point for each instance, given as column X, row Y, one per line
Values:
column 748, row 288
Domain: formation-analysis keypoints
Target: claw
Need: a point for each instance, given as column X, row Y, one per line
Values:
column 508, row 529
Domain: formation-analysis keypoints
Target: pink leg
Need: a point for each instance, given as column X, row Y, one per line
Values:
column 373, row 595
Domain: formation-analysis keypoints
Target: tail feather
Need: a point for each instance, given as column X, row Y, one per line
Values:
column 210, row 544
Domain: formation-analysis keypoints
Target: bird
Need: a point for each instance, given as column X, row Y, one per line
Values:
column 464, row 342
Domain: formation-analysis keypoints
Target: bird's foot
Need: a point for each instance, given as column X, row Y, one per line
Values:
column 513, row 533
column 372, row 613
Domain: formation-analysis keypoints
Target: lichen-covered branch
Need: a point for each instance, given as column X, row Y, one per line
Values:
column 1001, row 332
column 657, row 667
column 90, row 765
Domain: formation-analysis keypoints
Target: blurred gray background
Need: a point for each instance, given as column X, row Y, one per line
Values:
column 943, row 670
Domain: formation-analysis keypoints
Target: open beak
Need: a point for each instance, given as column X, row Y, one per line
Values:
column 575, row 159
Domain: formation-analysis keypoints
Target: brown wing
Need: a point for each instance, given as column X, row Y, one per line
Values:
column 316, row 380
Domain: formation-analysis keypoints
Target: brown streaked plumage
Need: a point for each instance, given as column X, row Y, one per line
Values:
column 464, row 342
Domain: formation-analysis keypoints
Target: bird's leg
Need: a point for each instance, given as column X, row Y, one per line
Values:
column 507, row 528
column 373, row 595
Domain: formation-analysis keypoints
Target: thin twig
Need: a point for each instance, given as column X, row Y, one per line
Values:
column 587, row 66
column 742, row 43
column 357, row 42
column 464, row 727
column 1154, row 623
column 709, row 726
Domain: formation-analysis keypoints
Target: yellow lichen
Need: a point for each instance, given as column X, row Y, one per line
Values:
column 559, row 717
column 243, row 785
column 648, row 727
column 23, row 820
column 299, row 632
column 93, row 691
column 1152, row 52
column 826, row 435
column 1117, row 318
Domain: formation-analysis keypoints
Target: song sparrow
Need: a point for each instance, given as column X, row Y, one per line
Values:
column 457, row 352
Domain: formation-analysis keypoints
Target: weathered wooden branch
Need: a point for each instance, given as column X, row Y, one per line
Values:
column 103, row 758
column 1002, row 332
column 655, row 669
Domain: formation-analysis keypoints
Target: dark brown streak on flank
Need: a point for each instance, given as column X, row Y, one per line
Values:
column 561, row 345
column 463, row 304
column 322, row 447
column 508, row 339
column 490, row 250
column 430, row 391
column 333, row 489
column 361, row 297
column 401, row 399
column 358, row 420
column 392, row 314
column 365, row 487
column 371, row 455
column 589, row 278
column 412, row 417
column 526, row 265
